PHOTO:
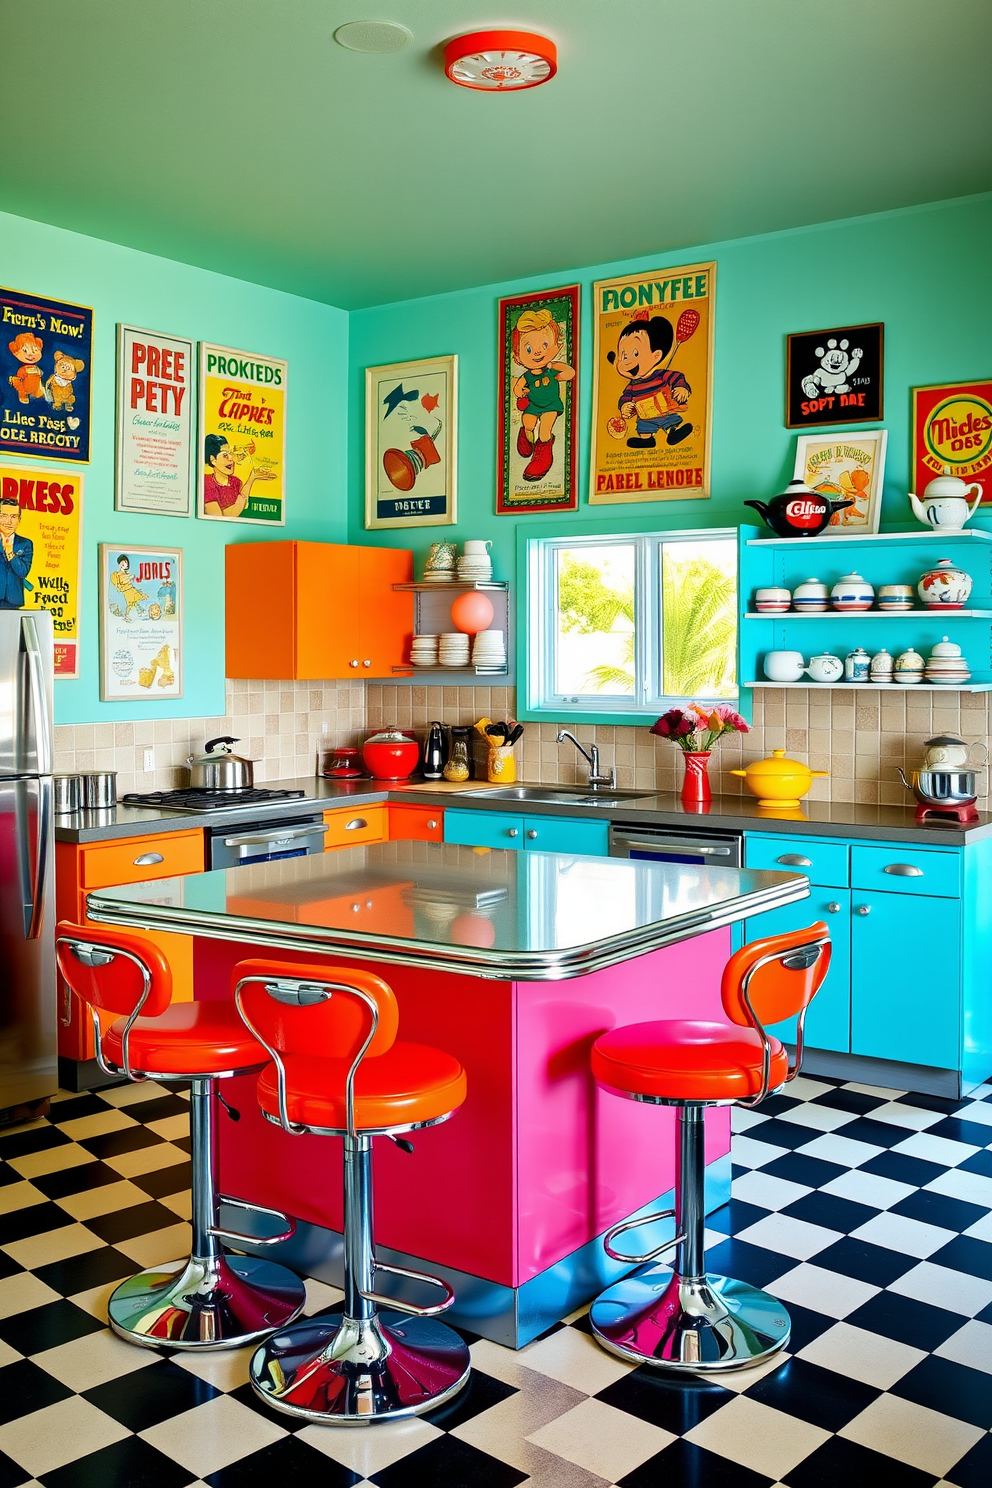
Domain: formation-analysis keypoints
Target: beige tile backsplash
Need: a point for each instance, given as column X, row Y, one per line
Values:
column 859, row 737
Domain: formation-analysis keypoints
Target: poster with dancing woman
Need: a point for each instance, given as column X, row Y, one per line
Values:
column 538, row 402
column 653, row 390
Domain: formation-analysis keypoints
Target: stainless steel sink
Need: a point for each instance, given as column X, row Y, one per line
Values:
column 563, row 795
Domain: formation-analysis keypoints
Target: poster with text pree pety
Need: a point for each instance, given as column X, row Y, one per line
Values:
column 40, row 517
column 155, row 423
column 242, row 454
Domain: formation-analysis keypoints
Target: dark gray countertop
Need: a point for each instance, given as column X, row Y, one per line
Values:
column 502, row 915
column 733, row 813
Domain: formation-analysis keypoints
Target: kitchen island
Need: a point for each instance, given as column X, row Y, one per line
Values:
column 514, row 963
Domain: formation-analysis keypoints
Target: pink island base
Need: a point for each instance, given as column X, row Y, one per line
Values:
column 539, row 1161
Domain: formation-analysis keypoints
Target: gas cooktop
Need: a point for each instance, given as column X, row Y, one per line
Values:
column 209, row 800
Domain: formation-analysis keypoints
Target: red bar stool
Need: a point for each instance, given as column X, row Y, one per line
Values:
column 212, row 1300
column 338, row 1071
column 683, row 1318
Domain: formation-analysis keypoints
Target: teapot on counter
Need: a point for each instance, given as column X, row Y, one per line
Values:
column 798, row 511
column 948, row 752
column 945, row 503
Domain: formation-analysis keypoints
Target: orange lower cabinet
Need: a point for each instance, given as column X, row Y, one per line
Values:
column 415, row 824
column 355, row 825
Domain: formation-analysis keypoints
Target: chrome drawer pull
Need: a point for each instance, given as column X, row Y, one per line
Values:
column 355, row 823
column 513, row 832
column 833, row 907
column 432, row 826
column 532, row 834
column 903, row 870
column 794, row 860
column 147, row 859
column 864, row 909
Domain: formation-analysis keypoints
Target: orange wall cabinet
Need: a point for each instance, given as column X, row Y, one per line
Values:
column 97, row 866
column 415, row 823
column 316, row 610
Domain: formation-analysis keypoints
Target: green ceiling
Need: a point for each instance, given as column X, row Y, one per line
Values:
column 236, row 134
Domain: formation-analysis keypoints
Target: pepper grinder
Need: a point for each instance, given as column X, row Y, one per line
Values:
column 432, row 760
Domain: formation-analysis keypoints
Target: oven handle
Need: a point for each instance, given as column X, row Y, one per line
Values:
column 663, row 845
column 264, row 839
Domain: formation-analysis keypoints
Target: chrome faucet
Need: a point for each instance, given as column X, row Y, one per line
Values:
column 596, row 776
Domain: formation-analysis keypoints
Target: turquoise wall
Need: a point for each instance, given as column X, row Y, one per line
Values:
column 924, row 272
column 159, row 294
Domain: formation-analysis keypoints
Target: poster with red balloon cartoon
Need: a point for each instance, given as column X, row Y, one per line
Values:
column 653, row 390
column 410, row 443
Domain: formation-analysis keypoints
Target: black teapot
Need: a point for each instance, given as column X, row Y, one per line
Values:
column 798, row 511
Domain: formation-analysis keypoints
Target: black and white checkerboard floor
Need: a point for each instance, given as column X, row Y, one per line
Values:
column 867, row 1210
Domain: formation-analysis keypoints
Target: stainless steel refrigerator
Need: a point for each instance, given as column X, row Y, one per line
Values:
column 28, row 1064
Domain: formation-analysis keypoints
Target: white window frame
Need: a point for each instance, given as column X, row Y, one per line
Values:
column 542, row 628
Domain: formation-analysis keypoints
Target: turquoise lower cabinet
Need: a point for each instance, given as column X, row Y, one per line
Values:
column 906, row 978
column 562, row 834
column 828, row 1022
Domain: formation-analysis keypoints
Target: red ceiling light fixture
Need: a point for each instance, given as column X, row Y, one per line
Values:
column 500, row 61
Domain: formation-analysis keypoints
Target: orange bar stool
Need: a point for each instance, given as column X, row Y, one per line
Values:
column 212, row 1300
column 684, row 1319
column 338, row 1071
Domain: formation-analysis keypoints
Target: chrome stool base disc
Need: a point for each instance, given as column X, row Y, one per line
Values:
column 710, row 1324
column 339, row 1371
column 219, row 1302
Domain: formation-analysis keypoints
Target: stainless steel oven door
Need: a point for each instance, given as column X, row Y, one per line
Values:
column 232, row 847
column 670, row 845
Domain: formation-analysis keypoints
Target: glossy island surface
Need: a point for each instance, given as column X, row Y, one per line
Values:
column 538, row 916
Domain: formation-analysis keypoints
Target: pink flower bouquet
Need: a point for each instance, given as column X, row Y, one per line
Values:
column 696, row 729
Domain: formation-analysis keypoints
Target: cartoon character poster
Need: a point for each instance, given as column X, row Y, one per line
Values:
column 40, row 518
column 538, row 408
column 141, row 623
column 46, row 365
column 653, row 393
column 410, row 443
column 242, row 436
column 156, row 432
column 848, row 469
column 834, row 377
column 952, row 430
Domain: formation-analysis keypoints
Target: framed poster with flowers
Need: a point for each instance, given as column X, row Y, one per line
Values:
column 538, row 402
column 410, row 443
column 848, row 469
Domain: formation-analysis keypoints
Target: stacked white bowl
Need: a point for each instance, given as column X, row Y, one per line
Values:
column 453, row 649
column 489, row 649
column 475, row 564
column 423, row 652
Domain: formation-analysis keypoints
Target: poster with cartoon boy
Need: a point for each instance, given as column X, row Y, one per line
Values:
column 46, row 353
column 538, row 338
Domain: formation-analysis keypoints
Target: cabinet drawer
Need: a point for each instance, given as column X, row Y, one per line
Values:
column 140, row 858
column 822, row 861
column 565, row 834
column 354, row 825
column 484, row 828
column 415, row 824
column 901, row 870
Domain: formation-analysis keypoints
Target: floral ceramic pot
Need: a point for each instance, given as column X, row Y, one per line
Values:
column 852, row 592
column 945, row 586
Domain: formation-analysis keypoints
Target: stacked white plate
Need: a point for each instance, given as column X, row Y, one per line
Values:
column 423, row 652
column 474, row 568
column 440, row 576
column 453, row 649
column 489, row 649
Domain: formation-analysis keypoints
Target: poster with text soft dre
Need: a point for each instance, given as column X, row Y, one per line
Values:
column 242, row 449
column 40, row 517
column 155, row 423
column 46, row 369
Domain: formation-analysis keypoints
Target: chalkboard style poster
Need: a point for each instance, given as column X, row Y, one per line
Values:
column 834, row 377
column 46, row 367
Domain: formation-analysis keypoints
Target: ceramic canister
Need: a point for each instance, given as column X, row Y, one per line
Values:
column 783, row 666
column 945, row 586
column 896, row 597
column 909, row 667
column 857, row 664
column 881, row 666
column 811, row 597
column 772, row 601
column 852, row 592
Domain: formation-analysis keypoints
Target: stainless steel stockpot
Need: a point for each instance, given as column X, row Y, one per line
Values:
column 68, row 793
column 943, row 787
column 99, row 789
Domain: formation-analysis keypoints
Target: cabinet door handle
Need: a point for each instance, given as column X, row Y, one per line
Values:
column 833, row 907
column 794, row 860
column 513, row 832
column 366, row 663
column 532, row 834
column 903, row 870
column 353, row 663
column 147, row 859
column 863, row 909
column 432, row 826
column 355, row 823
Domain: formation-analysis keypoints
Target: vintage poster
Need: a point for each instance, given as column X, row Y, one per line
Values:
column 834, row 377
column 141, row 623
column 46, row 366
column 242, row 436
column 653, row 392
column 952, row 430
column 538, row 401
column 846, row 469
column 410, row 443
column 41, row 513
column 155, row 433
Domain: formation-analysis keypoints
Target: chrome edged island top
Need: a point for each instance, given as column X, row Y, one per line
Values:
column 487, row 913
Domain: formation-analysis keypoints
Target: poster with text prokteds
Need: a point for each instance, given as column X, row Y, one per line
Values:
column 653, row 390
column 242, row 436
column 46, row 366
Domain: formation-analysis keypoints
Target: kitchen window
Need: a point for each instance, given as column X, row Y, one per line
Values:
column 631, row 624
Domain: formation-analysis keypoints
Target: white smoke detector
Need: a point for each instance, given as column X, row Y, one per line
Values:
column 373, row 36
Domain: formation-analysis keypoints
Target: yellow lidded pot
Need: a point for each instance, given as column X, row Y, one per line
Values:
column 778, row 780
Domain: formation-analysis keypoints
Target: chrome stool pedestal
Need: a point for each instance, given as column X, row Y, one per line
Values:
column 211, row 1300
column 685, row 1319
column 361, row 1364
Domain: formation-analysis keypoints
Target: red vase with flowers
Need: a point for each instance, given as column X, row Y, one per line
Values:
column 695, row 730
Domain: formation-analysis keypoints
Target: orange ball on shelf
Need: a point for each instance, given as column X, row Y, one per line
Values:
column 472, row 612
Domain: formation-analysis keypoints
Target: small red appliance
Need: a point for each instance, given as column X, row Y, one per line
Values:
column 964, row 814
column 344, row 763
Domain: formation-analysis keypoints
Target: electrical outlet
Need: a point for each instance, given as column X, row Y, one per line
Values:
column 149, row 761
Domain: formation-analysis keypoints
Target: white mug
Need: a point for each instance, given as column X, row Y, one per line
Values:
column 476, row 545
column 783, row 666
